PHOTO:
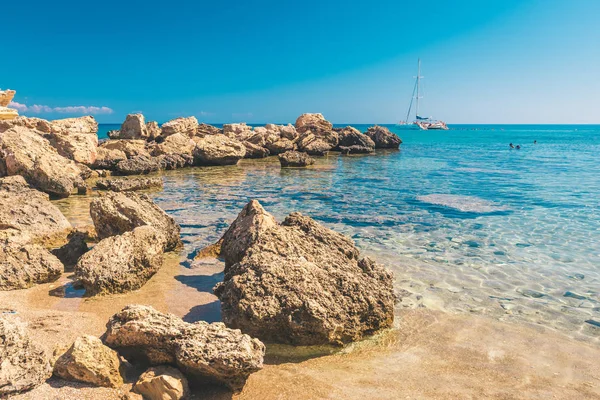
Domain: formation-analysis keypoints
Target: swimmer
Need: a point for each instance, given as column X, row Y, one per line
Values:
column 511, row 146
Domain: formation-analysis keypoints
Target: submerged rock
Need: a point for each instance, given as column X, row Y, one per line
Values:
column 299, row 282
column 129, row 184
column 23, row 365
column 22, row 266
column 218, row 150
column 89, row 360
column 121, row 263
column 162, row 383
column 203, row 352
column 185, row 126
column 116, row 213
column 383, row 138
column 295, row 159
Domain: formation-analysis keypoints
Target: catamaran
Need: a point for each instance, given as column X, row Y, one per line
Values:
column 424, row 123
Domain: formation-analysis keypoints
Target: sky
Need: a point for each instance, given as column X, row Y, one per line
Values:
column 493, row 61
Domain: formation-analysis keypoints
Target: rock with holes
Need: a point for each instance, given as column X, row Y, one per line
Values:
column 22, row 266
column 76, row 139
column 128, row 184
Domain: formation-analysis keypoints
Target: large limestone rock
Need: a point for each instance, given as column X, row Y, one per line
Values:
column 24, row 152
column 129, row 184
column 317, row 143
column 153, row 129
column 76, row 139
column 184, row 126
column 139, row 165
column 299, row 282
column 131, row 148
column 27, row 215
column 6, row 97
column 255, row 151
column 89, row 360
column 202, row 351
column 22, row 266
column 162, row 383
column 134, row 127
column 176, row 143
column 312, row 122
column 23, row 365
column 206, row 129
column 383, row 138
column 218, row 150
column 239, row 131
column 295, row 159
column 108, row 158
column 121, row 263
column 116, row 213
column 6, row 113
column 351, row 140
column 37, row 124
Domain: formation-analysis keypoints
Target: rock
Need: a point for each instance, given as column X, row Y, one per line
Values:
column 89, row 360
column 174, row 161
column 72, row 251
column 206, row 129
column 134, row 127
column 383, row 138
column 285, row 131
column 22, row 266
column 239, row 132
column 122, row 185
column 203, row 352
column 6, row 113
column 162, row 383
column 176, row 143
column 295, row 159
column 76, row 139
column 351, row 141
column 153, row 129
column 108, row 158
column 299, row 282
column 218, row 150
column 255, row 151
column 27, row 215
column 28, row 154
column 139, row 165
column 317, row 144
column 6, row 97
column 277, row 145
column 131, row 148
column 185, row 126
column 116, row 213
column 121, row 263
column 23, row 365
column 312, row 122
column 39, row 125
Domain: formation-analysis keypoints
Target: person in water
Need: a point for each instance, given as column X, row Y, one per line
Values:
column 518, row 147
column 511, row 146
column 535, row 142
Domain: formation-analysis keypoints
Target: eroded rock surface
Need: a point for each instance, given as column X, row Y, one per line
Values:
column 128, row 184
column 218, row 150
column 39, row 125
column 352, row 141
column 383, row 138
column 162, row 383
column 108, row 158
column 139, row 165
column 76, row 138
column 185, row 126
column 121, row 263
column 177, row 143
column 71, row 252
column 295, row 159
column 134, row 127
column 22, row 266
column 299, row 282
column 202, row 351
column 206, row 129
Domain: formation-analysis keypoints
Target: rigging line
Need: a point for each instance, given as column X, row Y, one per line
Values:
column 411, row 101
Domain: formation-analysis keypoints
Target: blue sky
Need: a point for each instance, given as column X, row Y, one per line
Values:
column 493, row 61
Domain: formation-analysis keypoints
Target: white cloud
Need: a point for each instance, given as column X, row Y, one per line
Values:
column 40, row 109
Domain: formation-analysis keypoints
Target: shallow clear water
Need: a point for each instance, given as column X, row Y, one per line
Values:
column 467, row 224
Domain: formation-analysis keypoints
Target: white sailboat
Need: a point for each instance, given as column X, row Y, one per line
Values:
column 424, row 123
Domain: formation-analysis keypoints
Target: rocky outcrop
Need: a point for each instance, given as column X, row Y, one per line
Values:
column 28, row 216
column 206, row 129
column 255, row 151
column 76, row 139
column 89, row 360
column 177, row 143
column 317, row 143
column 383, row 138
column 6, row 113
column 299, row 282
column 239, row 131
column 312, row 122
column 139, row 165
column 116, row 213
column 153, row 129
column 6, row 97
column 202, row 351
column 175, row 161
column 131, row 148
column 121, row 263
column 134, row 127
column 351, row 141
column 185, row 126
column 295, row 159
column 23, row 365
column 71, row 252
column 129, row 184
column 218, row 150
column 162, row 383
column 108, row 158
column 28, row 154
column 37, row 124
column 22, row 266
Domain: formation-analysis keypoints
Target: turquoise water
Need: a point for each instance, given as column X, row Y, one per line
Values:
column 467, row 224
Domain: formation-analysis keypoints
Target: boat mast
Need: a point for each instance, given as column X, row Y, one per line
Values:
column 418, row 82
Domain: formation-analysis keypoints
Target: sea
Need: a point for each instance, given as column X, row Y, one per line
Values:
column 467, row 224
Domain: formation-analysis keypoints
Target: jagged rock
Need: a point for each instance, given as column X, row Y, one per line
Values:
column 23, row 365
column 318, row 143
column 218, row 150
column 134, row 127
column 202, row 351
column 312, row 122
column 284, row 131
column 27, row 215
column 129, row 184
column 28, row 154
column 108, row 158
column 22, row 266
column 239, row 132
column 6, row 113
column 6, row 97
column 139, row 165
column 121, row 263
column 295, row 159
column 153, row 129
column 279, row 145
column 206, row 129
column 185, row 126
column 299, row 282
column 115, row 213
column 89, row 360
column 176, row 143
column 174, row 161
column 76, row 139
column 351, row 141
column 162, row 383
column 71, row 252
column 383, row 138
column 255, row 151
column 37, row 124
column 131, row 148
